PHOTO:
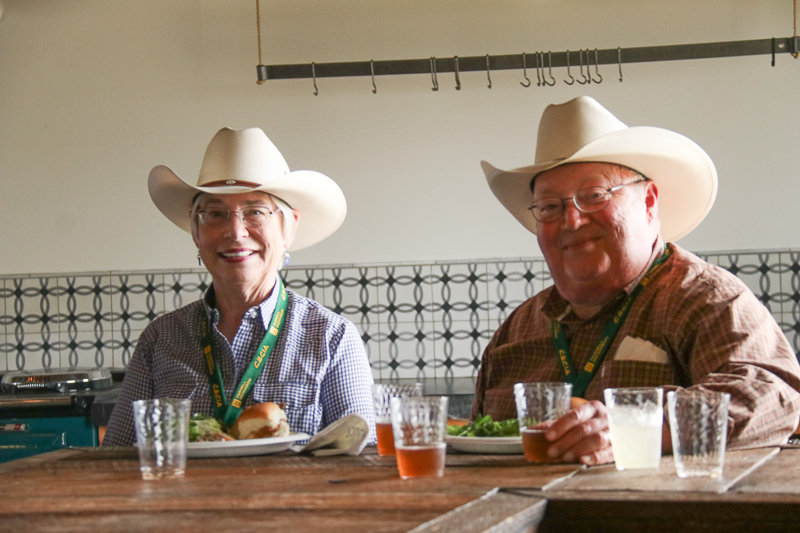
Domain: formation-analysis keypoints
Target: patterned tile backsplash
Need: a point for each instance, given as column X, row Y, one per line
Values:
column 417, row 320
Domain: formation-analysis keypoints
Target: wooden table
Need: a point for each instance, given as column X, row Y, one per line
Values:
column 100, row 490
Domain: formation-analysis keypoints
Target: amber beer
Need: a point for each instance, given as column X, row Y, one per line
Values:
column 385, row 439
column 421, row 461
column 382, row 393
column 538, row 403
column 420, row 426
column 535, row 445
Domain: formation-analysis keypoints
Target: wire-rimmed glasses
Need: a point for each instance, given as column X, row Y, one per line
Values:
column 587, row 200
column 252, row 216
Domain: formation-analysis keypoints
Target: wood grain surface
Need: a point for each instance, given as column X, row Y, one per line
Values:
column 100, row 489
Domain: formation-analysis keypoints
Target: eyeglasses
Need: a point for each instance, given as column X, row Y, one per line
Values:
column 253, row 216
column 587, row 200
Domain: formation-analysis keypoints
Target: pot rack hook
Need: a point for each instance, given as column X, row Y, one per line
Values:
column 488, row 72
column 549, row 68
column 584, row 79
column 596, row 68
column 455, row 69
column 773, row 51
column 619, row 62
column 538, row 77
column 571, row 78
column 314, row 77
column 525, row 72
column 372, row 72
column 588, row 68
column 433, row 75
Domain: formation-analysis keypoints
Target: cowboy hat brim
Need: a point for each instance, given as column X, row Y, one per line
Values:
column 684, row 174
column 319, row 199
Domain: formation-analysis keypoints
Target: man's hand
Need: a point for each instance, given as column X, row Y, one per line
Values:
column 582, row 435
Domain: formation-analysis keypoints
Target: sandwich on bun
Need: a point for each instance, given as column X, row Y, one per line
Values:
column 261, row 420
column 576, row 402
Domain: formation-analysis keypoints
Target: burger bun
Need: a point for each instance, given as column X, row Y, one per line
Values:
column 259, row 421
column 575, row 402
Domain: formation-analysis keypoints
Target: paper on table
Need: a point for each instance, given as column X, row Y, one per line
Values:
column 346, row 436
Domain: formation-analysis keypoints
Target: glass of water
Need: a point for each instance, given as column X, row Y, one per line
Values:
column 698, row 422
column 635, row 418
column 162, row 431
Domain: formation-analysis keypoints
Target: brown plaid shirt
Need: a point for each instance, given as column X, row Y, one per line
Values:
column 716, row 334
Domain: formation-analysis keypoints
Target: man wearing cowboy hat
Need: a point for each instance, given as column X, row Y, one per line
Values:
column 628, row 306
column 250, row 339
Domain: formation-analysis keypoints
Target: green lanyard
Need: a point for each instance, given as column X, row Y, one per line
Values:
column 228, row 413
column 580, row 381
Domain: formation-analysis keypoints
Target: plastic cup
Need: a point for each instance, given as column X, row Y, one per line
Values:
column 537, row 403
column 419, row 425
column 162, row 431
column 381, row 395
column 635, row 417
column 698, row 422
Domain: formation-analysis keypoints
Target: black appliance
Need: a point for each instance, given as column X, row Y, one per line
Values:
column 48, row 409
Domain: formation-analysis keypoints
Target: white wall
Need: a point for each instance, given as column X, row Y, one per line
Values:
column 94, row 93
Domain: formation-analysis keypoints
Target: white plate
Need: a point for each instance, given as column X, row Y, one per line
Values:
column 237, row 448
column 491, row 445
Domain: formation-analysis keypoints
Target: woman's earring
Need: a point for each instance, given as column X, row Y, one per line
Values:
column 286, row 259
column 199, row 262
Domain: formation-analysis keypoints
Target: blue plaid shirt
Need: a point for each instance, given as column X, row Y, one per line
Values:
column 318, row 368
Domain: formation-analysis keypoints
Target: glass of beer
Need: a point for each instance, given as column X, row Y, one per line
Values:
column 538, row 403
column 381, row 395
column 420, row 427
column 635, row 418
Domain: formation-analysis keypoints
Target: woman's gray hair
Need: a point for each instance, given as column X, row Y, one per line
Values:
column 288, row 216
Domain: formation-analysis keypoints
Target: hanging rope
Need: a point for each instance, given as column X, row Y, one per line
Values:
column 258, row 28
column 795, row 53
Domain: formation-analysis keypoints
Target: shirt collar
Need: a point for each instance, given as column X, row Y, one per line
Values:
column 265, row 308
column 658, row 250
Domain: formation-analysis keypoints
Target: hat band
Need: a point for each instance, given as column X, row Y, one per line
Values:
column 225, row 183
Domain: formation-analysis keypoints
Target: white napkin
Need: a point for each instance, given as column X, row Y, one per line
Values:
column 633, row 349
column 346, row 436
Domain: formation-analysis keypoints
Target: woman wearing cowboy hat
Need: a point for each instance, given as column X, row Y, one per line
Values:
column 249, row 340
column 629, row 308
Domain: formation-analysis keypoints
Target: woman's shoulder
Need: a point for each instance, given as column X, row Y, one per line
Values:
column 188, row 314
column 309, row 309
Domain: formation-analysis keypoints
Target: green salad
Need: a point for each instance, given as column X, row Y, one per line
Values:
column 484, row 426
column 203, row 428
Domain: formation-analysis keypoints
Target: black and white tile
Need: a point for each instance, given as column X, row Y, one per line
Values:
column 417, row 320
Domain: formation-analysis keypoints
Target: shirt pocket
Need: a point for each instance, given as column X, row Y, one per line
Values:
column 301, row 403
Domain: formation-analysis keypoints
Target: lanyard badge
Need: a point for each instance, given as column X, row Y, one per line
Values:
column 228, row 413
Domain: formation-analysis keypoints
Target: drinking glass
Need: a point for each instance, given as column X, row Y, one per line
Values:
column 698, row 423
column 381, row 395
column 162, row 431
column 419, row 425
column 635, row 418
column 537, row 403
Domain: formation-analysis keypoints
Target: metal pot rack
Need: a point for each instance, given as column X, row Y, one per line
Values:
column 581, row 61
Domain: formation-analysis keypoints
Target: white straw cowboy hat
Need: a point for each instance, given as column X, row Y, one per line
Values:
column 241, row 161
column 582, row 130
